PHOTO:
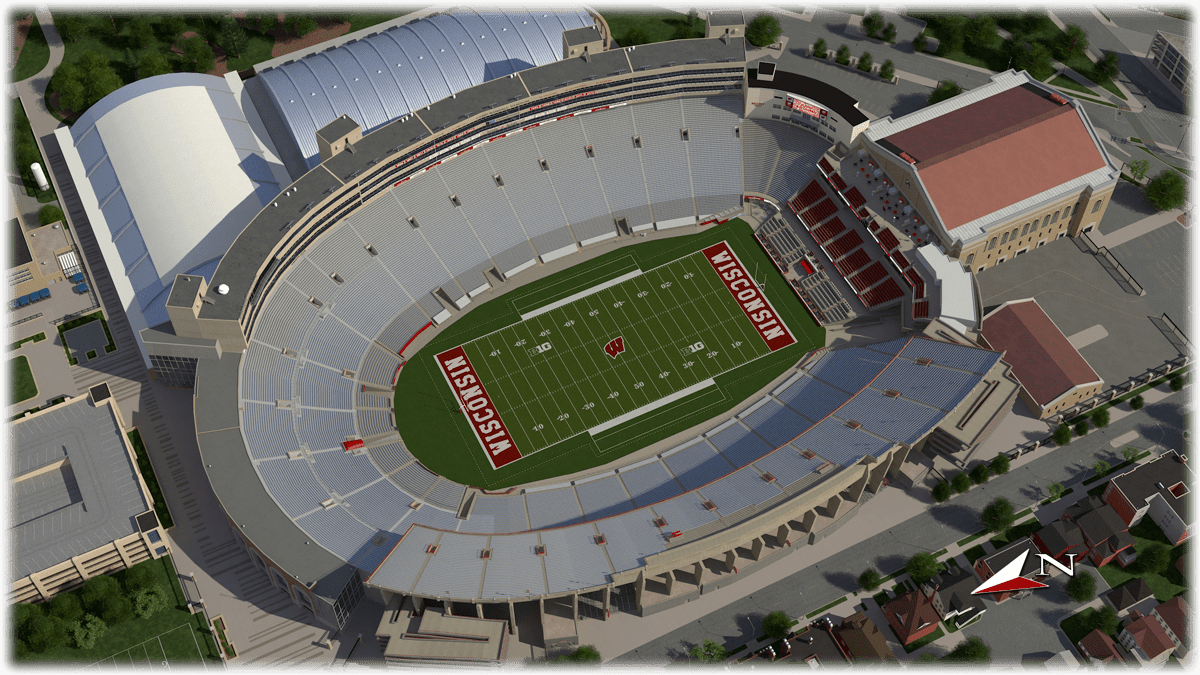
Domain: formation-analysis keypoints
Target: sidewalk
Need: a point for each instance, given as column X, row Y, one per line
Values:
column 32, row 91
column 1131, row 232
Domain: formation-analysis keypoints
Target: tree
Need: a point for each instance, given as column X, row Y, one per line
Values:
column 301, row 24
column 927, row 657
column 72, row 95
column 873, row 23
column 86, row 631
column 1081, row 427
column 102, row 596
column 889, row 33
column 149, row 600
column 999, row 515
column 981, row 30
column 999, row 464
column 973, row 649
column 941, row 491
column 819, row 48
column 919, row 42
column 888, row 70
column 635, row 36
column 1055, row 489
column 869, row 580
column 683, row 32
column 153, row 63
column 980, row 474
column 71, row 27
column 921, row 567
column 865, row 62
column 1101, row 418
column 763, row 30
column 81, row 84
column 777, row 624
column 584, row 654
column 1106, row 620
column 1101, row 467
column 1016, row 51
column 1107, row 68
column 173, row 25
column 1166, row 191
column 141, row 33
column 693, row 16
column 263, row 23
column 843, row 55
column 1082, row 587
column 961, row 482
column 1129, row 453
column 1176, row 382
column 138, row 577
column 197, row 55
column 65, row 606
column 1062, row 435
column 44, row 632
column 1073, row 43
column 1040, row 62
column 232, row 38
column 1153, row 559
column 946, row 89
column 49, row 214
column 1137, row 169
column 954, row 34
column 709, row 651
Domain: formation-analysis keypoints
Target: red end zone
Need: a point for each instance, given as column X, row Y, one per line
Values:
column 497, row 444
column 749, row 297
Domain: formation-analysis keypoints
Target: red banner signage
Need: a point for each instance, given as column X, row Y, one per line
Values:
column 481, row 413
column 749, row 297
column 806, row 108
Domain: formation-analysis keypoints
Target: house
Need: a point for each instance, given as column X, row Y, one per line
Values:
column 1064, row 660
column 1145, row 638
column 1105, row 536
column 987, row 567
column 912, row 615
column 1059, row 539
column 952, row 596
column 815, row 646
column 1099, row 648
column 1173, row 616
column 1158, row 487
column 1124, row 597
column 862, row 640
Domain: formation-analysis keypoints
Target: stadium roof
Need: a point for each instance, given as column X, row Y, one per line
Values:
column 955, row 286
column 74, row 485
column 387, row 75
column 169, row 171
column 809, row 87
column 1042, row 358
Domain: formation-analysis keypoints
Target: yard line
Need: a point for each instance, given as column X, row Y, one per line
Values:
column 676, row 321
column 526, row 404
column 580, row 340
column 580, row 369
column 523, row 424
column 714, row 286
column 554, row 371
column 648, row 373
column 679, row 283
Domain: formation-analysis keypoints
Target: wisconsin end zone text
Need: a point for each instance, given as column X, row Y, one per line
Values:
column 749, row 297
column 485, row 421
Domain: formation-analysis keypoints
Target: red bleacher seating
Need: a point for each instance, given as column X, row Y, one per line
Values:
column 837, row 182
column 844, row 244
column 917, row 282
column 808, row 269
column 885, row 292
column 829, row 230
column 825, row 166
column 921, row 310
column 853, row 262
column 818, row 213
column 900, row 260
column 809, row 196
column 854, row 197
column 868, row 277
column 887, row 239
column 873, row 226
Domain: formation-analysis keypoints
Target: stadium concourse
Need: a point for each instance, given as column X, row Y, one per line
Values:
column 388, row 240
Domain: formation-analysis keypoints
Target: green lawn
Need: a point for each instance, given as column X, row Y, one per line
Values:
column 881, row 598
column 35, row 54
column 910, row 648
column 23, row 385
column 147, row 471
column 440, row 437
column 1016, row 532
column 1112, row 87
column 1146, row 150
column 75, row 323
column 1064, row 494
column 26, row 152
column 658, row 26
column 259, row 50
column 178, row 645
column 818, row 612
column 1166, row 585
column 1078, row 625
column 1067, row 83
column 974, row 553
column 32, row 338
column 966, row 540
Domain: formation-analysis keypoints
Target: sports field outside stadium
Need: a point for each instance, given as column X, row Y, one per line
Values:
column 587, row 365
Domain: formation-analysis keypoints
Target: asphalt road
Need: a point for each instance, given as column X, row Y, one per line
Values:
column 820, row 584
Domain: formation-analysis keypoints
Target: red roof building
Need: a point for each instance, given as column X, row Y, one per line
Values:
column 1173, row 616
column 1053, row 374
column 1099, row 647
column 912, row 616
column 1158, row 488
column 1145, row 638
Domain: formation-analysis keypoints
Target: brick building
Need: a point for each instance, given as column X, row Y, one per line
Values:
column 1146, row 639
column 912, row 615
column 987, row 567
column 1158, row 488
column 1100, row 648
column 862, row 640
column 1173, row 616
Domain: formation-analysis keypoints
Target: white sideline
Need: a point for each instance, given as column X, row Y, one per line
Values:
column 604, row 426
column 572, row 298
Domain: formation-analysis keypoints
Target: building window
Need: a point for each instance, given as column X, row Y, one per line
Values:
column 1025, row 230
column 1096, row 207
column 992, row 244
column 1013, row 234
column 981, row 269
column 174, row 371
column 152, row 535
column 1055, row 217
column 277, row 579
column 1004, row 240
column 1066, row 213
column 970, row 259
column 160, row 551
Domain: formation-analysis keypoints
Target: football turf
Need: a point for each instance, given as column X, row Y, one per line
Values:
column 551, row 380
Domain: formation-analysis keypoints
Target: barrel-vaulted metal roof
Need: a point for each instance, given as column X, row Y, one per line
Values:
column 387, row 75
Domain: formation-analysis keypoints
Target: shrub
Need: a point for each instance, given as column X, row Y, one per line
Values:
column 635, row 36
column 865, row 62
column 1166, row 191
column 1101, row 467
column 584, row 654
column 889, row 33
column 919, row 43
column 1137, row 402
column 300, row 24
column 149, row 600
column 140, row 32
column 887, row 71
column 1107, row 68
column 1062, row 435
column 1081, row 427
column 941, row 491
column 1176, row 382
column 71, row 27
column 65, row 606
column 44, row 632
column 198, row 55
column 819, row 49
column 1153, row 559
column 980, row 474
column 843, row 55
column 973, row 649
column 1000, row 464
column 999, row 515
column 954, row 34
column 1129, row 453
column 777, row 624
column 708, row 651
column 172, row 24
column 86, row 631
column 921, row 567
column 153, row 63
column 873, row 23
column 49, row 214
column 1101, row 418
column 981, row 30
column 1082, row 587
column 869, row 580
column 763, row 30
column 138, row 577
column 1073, row 43
column 961, row 482
column 1055, row 489
column 102, row 596
column 1138, row 168
column 946, row 89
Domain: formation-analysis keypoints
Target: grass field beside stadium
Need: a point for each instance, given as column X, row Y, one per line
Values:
column 680, row 327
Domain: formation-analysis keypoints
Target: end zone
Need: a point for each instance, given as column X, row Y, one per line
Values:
column 475, row 403
column 749, row 296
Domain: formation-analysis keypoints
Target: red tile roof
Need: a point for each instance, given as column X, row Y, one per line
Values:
column 1099, row 646
column 1040, row 355
column 996, row 152
column 915, row 611
column 1150, row 636
column 1174, row 613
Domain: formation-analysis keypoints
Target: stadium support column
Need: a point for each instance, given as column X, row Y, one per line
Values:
column 639, row 588
column 756, row 548
column 781, row 535
column 670, row 581
column 730, row 559
column 512, row 620
column 876, row 476
column 607, row 602
column 478, row 610
column 698, row 573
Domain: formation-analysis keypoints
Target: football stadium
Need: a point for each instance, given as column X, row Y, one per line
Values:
column 584, row 331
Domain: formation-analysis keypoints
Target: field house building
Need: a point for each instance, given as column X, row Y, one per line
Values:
column 400, row 215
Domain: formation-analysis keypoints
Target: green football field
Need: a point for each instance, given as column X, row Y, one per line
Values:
column 550, row 377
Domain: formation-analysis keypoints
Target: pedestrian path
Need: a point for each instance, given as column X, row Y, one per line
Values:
column 1135, row 230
